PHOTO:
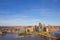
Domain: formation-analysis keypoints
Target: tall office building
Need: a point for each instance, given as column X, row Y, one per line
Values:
column 36, row 28
column 40, row 27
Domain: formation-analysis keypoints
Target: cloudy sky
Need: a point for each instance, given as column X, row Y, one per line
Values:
column 29, row 12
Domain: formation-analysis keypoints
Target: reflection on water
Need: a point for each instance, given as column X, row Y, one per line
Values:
column 56, row 34
column 13, row 37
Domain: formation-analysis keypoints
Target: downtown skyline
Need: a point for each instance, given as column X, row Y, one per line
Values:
column 29, row 12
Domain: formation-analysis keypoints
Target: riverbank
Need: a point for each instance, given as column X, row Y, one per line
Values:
column 41, row 34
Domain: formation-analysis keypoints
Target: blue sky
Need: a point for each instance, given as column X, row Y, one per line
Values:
column 29, row 12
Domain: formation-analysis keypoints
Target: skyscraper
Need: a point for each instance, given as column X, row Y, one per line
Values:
column 36, row 28
column 40, row 27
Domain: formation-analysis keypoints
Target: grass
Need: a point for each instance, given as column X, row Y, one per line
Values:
column 24, row 34
column 44, row 34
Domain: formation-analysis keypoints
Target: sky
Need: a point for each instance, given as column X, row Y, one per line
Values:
column 29, row 12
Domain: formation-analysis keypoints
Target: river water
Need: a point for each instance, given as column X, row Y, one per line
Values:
column 13, row 37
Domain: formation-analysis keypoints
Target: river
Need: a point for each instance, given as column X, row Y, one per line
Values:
column 13, row 37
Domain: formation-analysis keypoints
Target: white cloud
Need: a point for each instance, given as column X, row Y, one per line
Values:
column 19, row 21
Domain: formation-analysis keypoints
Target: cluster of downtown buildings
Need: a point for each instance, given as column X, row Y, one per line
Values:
column 31, row 29
column 39, row 28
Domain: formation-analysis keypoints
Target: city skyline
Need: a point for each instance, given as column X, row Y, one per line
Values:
column 29, row 12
